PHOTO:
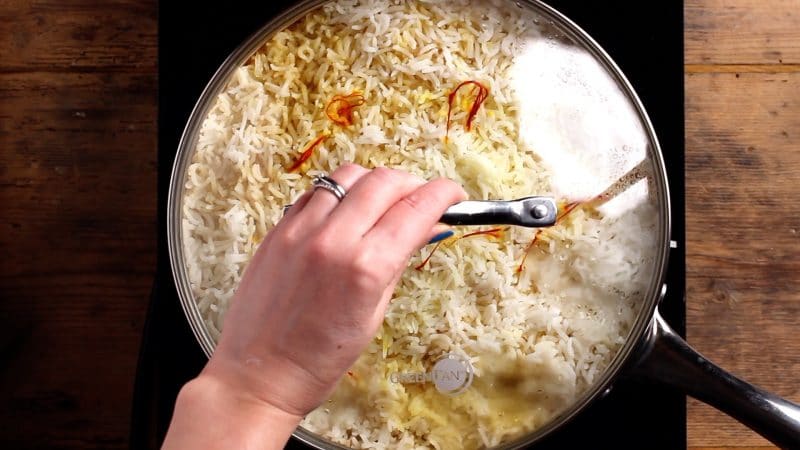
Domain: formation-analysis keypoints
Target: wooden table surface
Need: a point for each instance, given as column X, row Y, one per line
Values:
column 78, row 209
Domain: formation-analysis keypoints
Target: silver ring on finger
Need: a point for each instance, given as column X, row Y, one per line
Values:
column 330, row 185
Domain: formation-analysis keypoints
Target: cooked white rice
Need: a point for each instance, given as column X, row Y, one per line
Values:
column 537, row 340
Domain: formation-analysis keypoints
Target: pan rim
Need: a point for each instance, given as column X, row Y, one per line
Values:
column 565, row 25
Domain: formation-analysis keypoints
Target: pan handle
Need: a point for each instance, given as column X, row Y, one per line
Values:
column 668, row 359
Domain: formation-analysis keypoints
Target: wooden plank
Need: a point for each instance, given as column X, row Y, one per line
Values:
column 734, row 447
column 79, row 36
column 743, row 236
column 82, row 149
column 741, row 68
column 742, row 31
column 742, row 117
column 77, row 217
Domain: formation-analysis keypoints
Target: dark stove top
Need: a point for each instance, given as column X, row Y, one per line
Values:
column 644, row 38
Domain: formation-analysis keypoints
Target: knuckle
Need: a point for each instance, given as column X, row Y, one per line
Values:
column 395, row 265
column 366, row 273
column 384, row 173
column 348, row 173
column 347, row 168
column 434, row 196
column 321, row 247
column 416, row 201
column 289, row 235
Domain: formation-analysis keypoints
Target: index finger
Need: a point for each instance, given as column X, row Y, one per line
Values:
column 407, row 224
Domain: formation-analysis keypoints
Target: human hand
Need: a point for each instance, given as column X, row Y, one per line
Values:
column 316, row 290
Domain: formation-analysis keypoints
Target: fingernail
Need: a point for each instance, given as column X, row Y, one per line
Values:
column 441, row 236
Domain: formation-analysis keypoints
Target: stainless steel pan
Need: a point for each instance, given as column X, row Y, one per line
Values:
column 652, row 351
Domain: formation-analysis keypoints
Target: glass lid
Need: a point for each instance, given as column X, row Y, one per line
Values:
column 497, row 333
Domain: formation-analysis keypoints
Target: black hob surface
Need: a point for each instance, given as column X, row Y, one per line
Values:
column 644, row 38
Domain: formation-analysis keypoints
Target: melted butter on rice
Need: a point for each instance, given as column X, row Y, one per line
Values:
column 536, row 344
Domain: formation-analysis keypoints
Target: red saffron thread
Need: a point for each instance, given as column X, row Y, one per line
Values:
column 493, row 232
column 340, row 108
column 422, row 264
column 307, row 152
column 567, row 209
column 527, row 250
column 480, row 97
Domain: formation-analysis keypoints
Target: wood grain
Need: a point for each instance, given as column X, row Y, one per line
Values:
column 80, row 36
column 77, row 217
column 742, row 31
column 743, row 236
column 742, row 205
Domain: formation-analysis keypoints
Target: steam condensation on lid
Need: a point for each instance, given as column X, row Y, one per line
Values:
column 577, row 119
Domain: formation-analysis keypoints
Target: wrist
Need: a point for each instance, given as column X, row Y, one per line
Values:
column 280, row 382
column 209, row 413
